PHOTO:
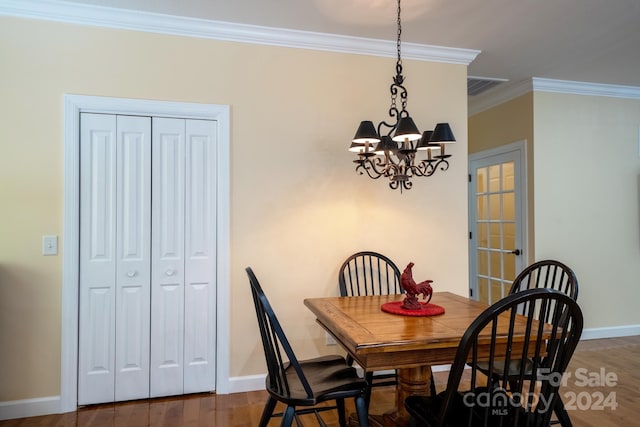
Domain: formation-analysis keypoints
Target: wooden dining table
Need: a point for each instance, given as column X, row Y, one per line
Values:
column 378, row 340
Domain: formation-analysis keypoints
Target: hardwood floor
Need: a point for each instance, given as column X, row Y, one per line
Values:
column 602, row 373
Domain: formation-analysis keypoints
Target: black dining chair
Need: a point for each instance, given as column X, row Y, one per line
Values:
column 525, row 398
column 302, row 385
column 545, row 274
column 548, row 274
column 370, row 273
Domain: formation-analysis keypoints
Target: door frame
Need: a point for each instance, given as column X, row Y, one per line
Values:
column 73, row 106
column 519, row 148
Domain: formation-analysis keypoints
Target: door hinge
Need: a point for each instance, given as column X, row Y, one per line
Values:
column 470, row 235
column 471, row 292
column 469, row 177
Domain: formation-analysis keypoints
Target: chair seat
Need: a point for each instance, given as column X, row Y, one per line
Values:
column 329, row 378
column 498, row 367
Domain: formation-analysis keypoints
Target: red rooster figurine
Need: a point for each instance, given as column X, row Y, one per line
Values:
column 414, row 289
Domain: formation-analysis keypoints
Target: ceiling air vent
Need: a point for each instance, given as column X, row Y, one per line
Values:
column 478, row 85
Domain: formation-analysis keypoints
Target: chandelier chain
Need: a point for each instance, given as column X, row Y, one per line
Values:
column 396, row 86
column 399, row 34
column 399, row 78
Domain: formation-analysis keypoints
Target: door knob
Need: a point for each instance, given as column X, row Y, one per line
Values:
column 132, row 273
column 170, row 272
column 516, row 252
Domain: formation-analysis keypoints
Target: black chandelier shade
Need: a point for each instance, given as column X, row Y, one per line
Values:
column 406, row 130
column 366, row 133
column 425, row 141
column 442, row 134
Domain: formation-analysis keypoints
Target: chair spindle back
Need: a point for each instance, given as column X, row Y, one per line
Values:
column 369, row 273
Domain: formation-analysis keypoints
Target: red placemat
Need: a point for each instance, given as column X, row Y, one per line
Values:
column 395, row 307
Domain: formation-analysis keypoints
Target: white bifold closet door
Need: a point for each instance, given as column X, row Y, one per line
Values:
column 183, row 257
column 147, row 257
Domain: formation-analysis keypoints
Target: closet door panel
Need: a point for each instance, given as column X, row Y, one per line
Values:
column 167, row 265
column 133, row 276
column 200, row 256
column 96, row 343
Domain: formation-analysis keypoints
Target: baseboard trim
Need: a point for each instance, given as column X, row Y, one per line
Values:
column 52, row 404
column 246, row 383
column 29, row 407
column 610, row 332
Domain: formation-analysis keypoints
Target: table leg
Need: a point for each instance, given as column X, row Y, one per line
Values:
column 411, row 381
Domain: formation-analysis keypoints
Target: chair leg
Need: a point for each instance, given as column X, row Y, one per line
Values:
column 362, row 409
column 349, row 360
column 287, row 416
column 368, row 376
column 432, row 385
column 342, row 416
column 267, row 412
column 561, row 413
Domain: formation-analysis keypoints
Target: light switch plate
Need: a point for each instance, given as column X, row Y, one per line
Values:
column 49, row 245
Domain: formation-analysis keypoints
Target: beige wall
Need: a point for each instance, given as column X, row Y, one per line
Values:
column 297, row 206
column 506, row 123
column 584, row 164
column 587, row 200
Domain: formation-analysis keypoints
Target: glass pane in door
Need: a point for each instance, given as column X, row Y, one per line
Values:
column 495, row 225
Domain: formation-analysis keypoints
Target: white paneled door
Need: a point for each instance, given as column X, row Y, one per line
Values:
column 497, row 218
column 147, row 257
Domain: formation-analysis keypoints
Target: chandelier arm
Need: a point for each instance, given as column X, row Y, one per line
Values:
column 375, row 167
column 429, row 167
column 361, row 169
column 386, row 164
column 416, row 171
column 393, row 169
column 445, row 164
column 364, row 167
column 425, row 168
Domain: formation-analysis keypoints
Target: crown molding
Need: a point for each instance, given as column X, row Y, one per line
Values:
column 99, row 16
column 584, row 88
column 498, row 95
column 503, row 93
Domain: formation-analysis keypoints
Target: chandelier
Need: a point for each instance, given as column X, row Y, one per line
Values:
column 391, row 149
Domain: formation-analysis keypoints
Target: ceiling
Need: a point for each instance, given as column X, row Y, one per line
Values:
column 594, row 41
